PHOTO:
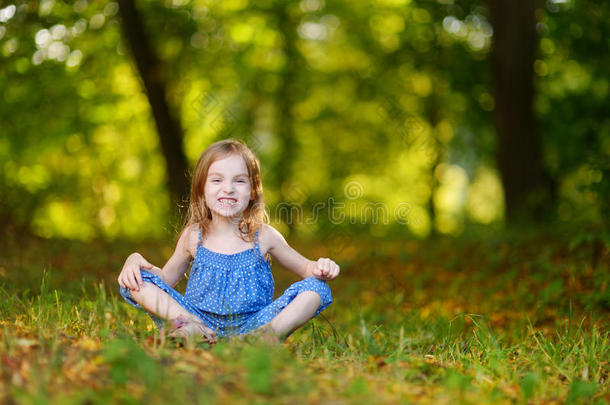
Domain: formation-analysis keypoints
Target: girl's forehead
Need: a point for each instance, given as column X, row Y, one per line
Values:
column 230, row 165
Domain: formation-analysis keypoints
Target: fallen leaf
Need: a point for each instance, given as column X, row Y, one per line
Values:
column 23, row 342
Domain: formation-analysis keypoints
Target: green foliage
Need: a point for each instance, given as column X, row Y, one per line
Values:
column 572, row 104
column 581, row 391
column 260, row 372
column 127, row 360
column 396, row 96
column 528, row 385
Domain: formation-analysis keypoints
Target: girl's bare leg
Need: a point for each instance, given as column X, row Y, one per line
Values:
column 156, row 301
column 297, row 313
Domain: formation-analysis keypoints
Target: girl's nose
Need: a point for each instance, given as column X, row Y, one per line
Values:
column 227, row 187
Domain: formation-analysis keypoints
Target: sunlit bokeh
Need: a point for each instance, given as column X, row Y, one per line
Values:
column 393, row 95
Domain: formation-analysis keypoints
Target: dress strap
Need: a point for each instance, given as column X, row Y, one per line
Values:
column 257, row 247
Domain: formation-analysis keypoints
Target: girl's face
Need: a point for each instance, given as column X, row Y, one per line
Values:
column 227, row 191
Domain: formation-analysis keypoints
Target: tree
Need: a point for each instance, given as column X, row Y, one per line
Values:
column 526, row 189
column 168, row 126
column 286, row 99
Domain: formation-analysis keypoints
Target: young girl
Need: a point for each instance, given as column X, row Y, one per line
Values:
column 230, row 287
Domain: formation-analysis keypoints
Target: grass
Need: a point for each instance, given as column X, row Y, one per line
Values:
column 507, row 319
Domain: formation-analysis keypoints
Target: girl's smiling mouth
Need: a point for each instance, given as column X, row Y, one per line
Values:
column 227, row 201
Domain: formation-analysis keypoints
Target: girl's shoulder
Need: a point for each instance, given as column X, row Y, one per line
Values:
column 269, row 237
column 189, row 238
column 266, row 231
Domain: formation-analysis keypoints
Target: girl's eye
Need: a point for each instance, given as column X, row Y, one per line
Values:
column 241, row 181
column 215, row 180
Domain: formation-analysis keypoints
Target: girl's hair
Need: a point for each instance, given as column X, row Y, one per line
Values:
column 199, row 213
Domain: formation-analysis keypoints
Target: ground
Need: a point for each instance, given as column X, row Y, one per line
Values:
column 494, row 318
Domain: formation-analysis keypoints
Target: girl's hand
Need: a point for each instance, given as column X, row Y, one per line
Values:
column 130, row 276
column 325, row 269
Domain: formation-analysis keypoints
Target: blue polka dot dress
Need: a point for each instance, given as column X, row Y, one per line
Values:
column 233, row 293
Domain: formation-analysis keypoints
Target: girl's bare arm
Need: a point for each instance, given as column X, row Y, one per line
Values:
column 274, row 243
column 178, row 263
column 131, row 277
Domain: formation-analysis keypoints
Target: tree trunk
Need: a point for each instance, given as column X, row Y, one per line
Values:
column 519, row 155
column 285, row 102
column 436, row 153
column 168, row 127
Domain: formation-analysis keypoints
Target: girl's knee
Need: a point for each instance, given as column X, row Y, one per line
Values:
column 311, row 297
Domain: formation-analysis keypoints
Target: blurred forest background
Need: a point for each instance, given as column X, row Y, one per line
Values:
column 399, row 115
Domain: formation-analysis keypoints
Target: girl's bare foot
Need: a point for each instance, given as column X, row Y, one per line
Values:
column 263, row 334
column 183, row 328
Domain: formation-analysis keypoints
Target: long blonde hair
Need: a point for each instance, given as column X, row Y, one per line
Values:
column 254, row 215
